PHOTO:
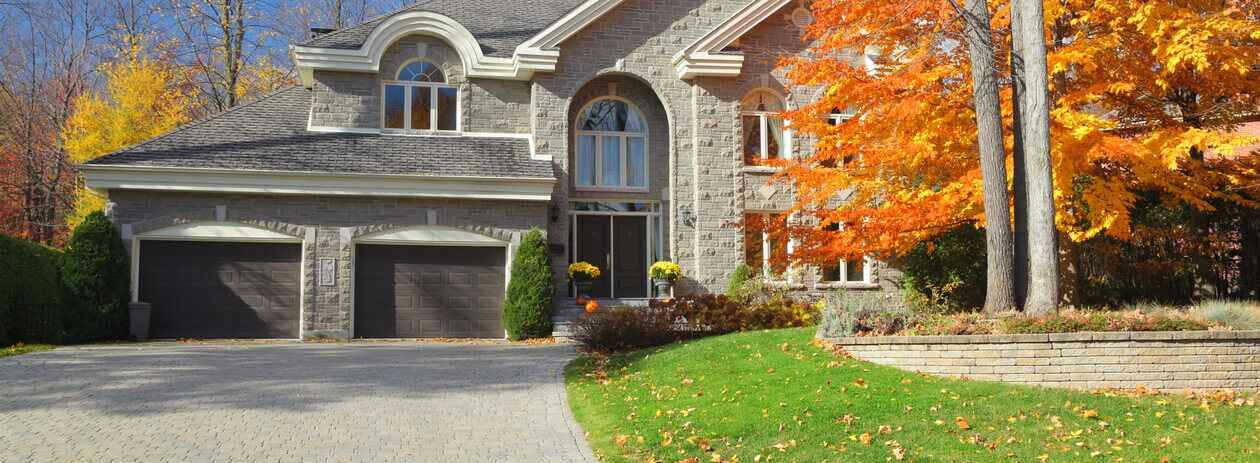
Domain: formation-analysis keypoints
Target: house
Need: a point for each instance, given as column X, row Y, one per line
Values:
column 384, row 195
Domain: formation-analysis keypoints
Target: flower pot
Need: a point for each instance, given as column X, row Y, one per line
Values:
column 663, row 286
column 583, row 288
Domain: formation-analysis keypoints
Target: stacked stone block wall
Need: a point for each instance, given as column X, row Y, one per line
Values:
column 1164, row 361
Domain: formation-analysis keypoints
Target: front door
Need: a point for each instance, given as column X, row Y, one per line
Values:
column 618, row 245
column 630, row 275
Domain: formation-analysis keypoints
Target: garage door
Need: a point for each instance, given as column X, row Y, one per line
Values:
column 428, row 291
column 206, row 290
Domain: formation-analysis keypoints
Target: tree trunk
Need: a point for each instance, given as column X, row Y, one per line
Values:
column 1020, row 174
column 1043, row 261
column 999, row 288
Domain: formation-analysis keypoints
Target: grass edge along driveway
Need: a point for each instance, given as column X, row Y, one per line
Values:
column 19, row 349
column 776, row 396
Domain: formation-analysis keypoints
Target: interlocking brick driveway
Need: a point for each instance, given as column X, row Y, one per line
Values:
column 289, row 402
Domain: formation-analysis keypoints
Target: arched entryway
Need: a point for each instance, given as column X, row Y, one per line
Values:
column 619, row 182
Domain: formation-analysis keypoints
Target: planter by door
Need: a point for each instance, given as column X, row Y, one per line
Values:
column 583, row 288
column 663, row 285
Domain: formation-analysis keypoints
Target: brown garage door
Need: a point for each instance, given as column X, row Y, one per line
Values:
column 207, row 290
column 428, row 291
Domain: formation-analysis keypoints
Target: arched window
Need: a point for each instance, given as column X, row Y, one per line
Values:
column 764, row 135
column 420, row 100
column 611, row 146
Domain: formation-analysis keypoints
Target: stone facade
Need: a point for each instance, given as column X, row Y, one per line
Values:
column 328, row 227
column 695, row 159
column 1164, row 361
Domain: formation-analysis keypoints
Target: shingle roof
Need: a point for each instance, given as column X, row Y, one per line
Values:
column 270, row 134
column 499, row 26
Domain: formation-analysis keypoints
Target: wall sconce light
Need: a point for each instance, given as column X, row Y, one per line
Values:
column 554, row 211
column 685, row 217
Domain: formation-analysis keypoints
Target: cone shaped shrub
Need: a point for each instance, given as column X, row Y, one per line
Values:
column 95, row 272
column 527, row 310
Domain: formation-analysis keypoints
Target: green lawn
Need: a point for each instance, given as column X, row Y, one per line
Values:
column 19, row 349
column 774, row 396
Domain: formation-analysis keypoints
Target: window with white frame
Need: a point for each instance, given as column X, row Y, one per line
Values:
column 767, row 244
column 420, row 100
column 854, row 271
column 836, row 118
column 765, row 137
column 611, row 147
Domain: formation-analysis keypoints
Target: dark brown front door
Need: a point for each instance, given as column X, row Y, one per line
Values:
column 594, row 246
column 428, row 291
column 618, row 246
column 630, row 256
column 205, row 290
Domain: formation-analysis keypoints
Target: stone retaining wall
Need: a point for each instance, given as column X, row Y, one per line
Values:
column 1166, row 361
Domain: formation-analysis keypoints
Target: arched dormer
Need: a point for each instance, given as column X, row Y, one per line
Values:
column 368, row 57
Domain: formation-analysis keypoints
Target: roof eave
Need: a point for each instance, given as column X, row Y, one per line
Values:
column 103, row 178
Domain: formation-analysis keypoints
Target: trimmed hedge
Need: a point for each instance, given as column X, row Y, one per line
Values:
column 31, row 296
column 527, row 310
column 95, row 272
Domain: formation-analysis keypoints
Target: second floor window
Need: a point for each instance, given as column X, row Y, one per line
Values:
column 764, row 135
column 610, row 150
column 420, row 100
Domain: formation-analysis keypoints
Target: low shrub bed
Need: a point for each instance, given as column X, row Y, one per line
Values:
column 665, row 321
column 900, row 322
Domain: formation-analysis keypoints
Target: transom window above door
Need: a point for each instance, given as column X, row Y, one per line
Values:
column 420, row 101
column 610, row 148
column 765, row 138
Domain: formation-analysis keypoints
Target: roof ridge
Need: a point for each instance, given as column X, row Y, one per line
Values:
column 197, row 123
column 365, row 21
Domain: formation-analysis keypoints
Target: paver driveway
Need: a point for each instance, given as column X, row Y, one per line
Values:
column 289, row 402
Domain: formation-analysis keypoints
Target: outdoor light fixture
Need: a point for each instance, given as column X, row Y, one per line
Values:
column 684, row 216
column 555, row 213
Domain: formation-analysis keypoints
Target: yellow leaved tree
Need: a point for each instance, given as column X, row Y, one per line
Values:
column 143, row 98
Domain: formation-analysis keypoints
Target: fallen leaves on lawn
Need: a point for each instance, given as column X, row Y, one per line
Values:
column 962, row 423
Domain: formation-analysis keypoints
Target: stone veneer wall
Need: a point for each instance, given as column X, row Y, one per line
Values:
column 1165, row 361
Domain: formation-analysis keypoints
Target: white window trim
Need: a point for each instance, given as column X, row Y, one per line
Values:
column 790, row 246
column 599, row 136
column 410, row 86
column 837, row 119
column 763, row 119
column 867, row 275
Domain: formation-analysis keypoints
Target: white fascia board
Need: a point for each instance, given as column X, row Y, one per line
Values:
column 104, row 178
column 546, row 43
column 700, row 58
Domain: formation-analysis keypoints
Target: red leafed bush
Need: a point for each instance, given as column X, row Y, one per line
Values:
column 666, row 321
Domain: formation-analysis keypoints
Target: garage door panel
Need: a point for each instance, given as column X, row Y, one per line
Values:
column 428, row 291
column 221, row 290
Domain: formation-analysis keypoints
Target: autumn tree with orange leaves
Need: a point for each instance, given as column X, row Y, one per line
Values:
column 1144, row 96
